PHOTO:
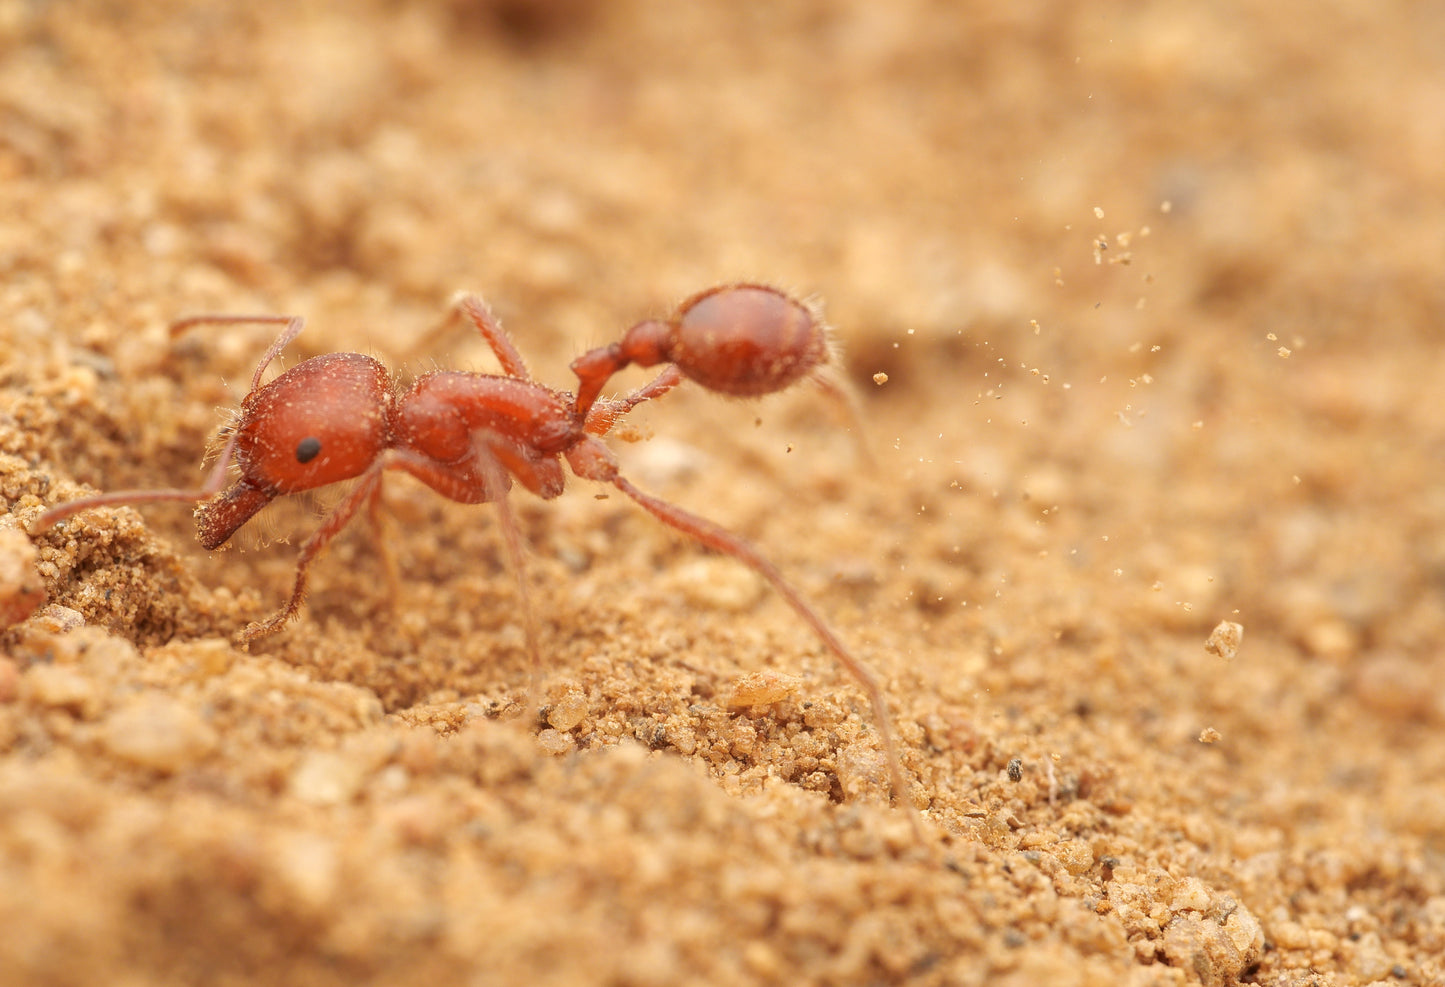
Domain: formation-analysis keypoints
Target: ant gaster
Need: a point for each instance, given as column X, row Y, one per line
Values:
column 342, row 416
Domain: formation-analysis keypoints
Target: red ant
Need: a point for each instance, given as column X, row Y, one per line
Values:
column 343, row 416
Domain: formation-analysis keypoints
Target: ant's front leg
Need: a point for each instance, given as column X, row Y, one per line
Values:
column 215, row 481
column 340, row 516
column 291, row 326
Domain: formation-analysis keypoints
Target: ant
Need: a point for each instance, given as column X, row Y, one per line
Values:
column 468, row 436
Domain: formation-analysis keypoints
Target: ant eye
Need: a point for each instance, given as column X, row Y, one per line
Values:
column 307, row 449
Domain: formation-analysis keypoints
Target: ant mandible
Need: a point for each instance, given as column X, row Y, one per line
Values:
column 343, row 416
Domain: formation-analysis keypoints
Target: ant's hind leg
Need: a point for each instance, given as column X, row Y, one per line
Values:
column 592, row 460
column 718, row 538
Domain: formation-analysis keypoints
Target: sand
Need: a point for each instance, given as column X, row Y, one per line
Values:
column 1140, row 519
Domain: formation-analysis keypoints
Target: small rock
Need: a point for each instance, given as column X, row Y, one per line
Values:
column 1191, row 894
column 159, row 733
column 862, row 770
column 717, row 584
column 309, row 868
column 1399, row 688
column 555, row 742
column 1245, row 932
column 762, row 688
column 568, row 711
column 62, row 687
column 21, row 589
column 56, row 619
column 1077, row 856
column 327, row 778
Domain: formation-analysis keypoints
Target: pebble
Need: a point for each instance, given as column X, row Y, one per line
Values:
column 61, row 687
column 763, row 688
column 327, row 778
column 56, row 619
column 159, row 733
column 862, row 771
column 568, row 711
column 717, row 584
column 21, row 589
column 555, row 742
column 1192, row 894
column 1399, row 688
column 1077, row 856
column 309, row 868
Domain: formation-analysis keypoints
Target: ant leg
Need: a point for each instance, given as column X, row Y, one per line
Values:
column 605, row 412
column 216, row 479
column 479, row 315
column 380, row 532
column 716, row 537
column 475, row 310
column 485, row 478
column 293, row 325
column 594, row 461
column 339, row 517
column 845, row 398
column 215, row 482
column 496, row 482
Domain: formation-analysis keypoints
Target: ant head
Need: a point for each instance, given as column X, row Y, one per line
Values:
column 322, row 421
column 746, row 339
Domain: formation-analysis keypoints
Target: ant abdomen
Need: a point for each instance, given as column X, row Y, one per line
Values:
column 738, row 339
column 746, row 340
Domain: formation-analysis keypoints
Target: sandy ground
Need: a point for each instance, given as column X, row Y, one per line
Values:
column 1142, row 303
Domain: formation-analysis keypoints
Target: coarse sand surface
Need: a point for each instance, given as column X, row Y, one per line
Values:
column 1139, row 512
